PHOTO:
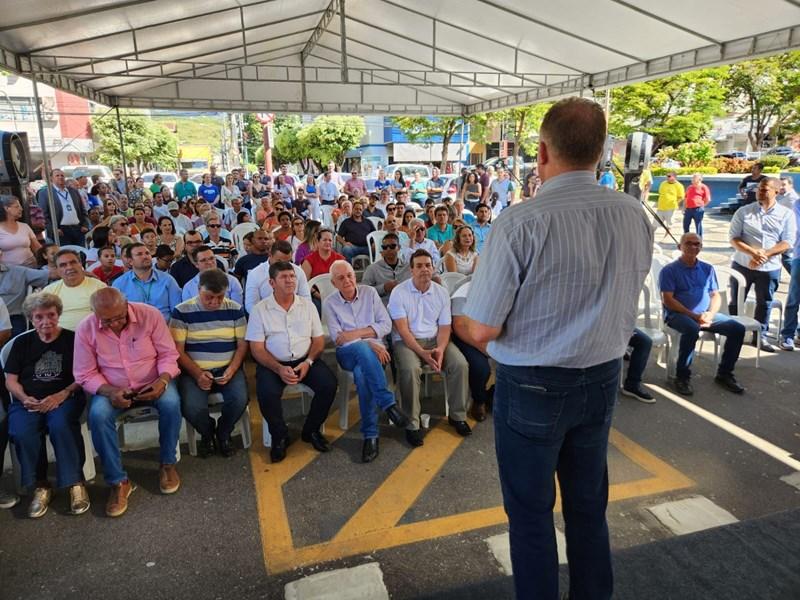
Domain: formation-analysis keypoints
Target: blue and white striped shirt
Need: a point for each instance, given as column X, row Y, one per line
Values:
column 562, row 275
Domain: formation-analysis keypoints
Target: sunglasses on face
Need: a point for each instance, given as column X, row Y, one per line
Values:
column 388, row 246
column 213, row 226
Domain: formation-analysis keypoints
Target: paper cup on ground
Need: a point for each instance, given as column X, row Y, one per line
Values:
column 424, row 420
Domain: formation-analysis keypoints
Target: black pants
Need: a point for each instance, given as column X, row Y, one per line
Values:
column 479, row 371
column 765, row 283
column 269, row 389
column 72, row 235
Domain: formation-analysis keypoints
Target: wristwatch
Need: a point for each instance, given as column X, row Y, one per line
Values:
column 310, row 362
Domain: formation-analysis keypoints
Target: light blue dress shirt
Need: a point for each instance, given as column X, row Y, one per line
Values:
column 761, row 228
column 366, row 310
column 160, row 290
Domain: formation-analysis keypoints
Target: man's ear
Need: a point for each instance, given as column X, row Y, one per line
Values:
column 543, row 156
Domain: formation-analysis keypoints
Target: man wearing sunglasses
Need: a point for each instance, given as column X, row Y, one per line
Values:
column 386, row 273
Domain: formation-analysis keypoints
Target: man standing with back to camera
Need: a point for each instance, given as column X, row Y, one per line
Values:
column 557, row 305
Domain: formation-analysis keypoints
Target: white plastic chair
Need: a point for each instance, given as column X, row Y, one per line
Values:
column 374, row 240
column 653, row 328
column 83, row 252
column 451, row 280
column 238, row 233
column 324, row 285
column 327, row 217
column 377, row 221
column 140, row 414
column 89, row 470
column 215, row 402
column 298, row 388
column 750, row 324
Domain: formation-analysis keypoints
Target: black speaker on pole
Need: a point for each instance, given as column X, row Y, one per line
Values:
column 637, row 157
column 15, row 167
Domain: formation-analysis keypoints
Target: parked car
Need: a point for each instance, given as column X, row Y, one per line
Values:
column 781, row 150
column 794, row 159
column 103, row 171
column 407, row 169
column 732, row 154
column 168, row 179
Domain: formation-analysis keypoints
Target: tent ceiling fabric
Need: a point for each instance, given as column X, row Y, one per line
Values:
column 438, row 57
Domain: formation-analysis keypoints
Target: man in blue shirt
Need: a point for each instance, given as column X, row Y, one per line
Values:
column 147, row 285
column 689, row 291
column 185, row 189
column 482, row 225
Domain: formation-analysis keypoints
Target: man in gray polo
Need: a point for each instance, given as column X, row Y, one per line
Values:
column 555, row 297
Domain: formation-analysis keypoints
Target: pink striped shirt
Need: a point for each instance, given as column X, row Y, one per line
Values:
column 142, row 351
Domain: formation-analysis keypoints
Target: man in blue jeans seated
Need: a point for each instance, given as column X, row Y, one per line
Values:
column 691, row 304
column 358, row 322
column 209, row 334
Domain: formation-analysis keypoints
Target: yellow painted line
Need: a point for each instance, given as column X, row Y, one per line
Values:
column 374, row 525
column 400, row 490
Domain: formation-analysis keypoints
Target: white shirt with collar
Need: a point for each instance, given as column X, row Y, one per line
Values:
column 287, row 334
column 425, row 311
column 258, row 288
column 69, row 212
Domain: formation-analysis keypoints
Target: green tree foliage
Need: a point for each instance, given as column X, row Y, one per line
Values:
column 420, row 129
column 674, row 110
column 767, row 91
column 148, row 145
column 522, row 123
column 329, row 138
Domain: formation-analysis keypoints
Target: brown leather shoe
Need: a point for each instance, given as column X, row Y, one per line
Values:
column 478, row 412
column 168, row 479
column 118, row 498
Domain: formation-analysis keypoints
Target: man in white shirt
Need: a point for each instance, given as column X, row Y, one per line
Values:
column 420, row 241
column 420, row 310
column 70, row 215
column 503, row 189
column 258, row 286
column 286, row 339
column 328, row 190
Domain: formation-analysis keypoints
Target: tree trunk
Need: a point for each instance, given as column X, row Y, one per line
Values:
column 520, row 124
column 445, row 146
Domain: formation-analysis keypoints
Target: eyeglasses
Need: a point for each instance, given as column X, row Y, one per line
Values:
column 389, row 247
column 213, row 226
column 110, row 321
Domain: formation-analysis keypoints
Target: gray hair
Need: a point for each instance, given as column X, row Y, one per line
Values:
column 788, row 181
column 212, row 215
column 41, row 301
column 339, row 263
column 107, row 296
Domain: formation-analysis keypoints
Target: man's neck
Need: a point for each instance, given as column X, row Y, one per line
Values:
column 285, row 301
column 143, row 274
column 351, row 296
column 768, row 204
column 688, row 260
column 442, row 227
column 422, row 287
column 83, row 278
column 392, row 263
column 61, row 187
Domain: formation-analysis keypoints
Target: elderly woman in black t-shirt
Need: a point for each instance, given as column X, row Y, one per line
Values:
column 46, row 399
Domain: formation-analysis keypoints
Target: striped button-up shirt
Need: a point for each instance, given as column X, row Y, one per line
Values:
column 562, row 275
column 759, row 228
column 365, row 310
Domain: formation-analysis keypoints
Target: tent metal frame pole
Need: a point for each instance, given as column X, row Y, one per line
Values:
column 122, row 151
column 45, row 158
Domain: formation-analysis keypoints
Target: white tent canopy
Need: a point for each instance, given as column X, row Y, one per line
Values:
column 445, row 57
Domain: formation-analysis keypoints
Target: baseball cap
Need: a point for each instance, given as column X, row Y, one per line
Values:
column 173, row 206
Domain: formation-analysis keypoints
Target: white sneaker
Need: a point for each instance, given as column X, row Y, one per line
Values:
column 787, row 344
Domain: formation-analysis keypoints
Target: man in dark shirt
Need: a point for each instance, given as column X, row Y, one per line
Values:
column 261, row 244
column 353, row 233
column 484, row 180
column 747, row 188
column 185, row 269
column 372, row 209
column 216, row 180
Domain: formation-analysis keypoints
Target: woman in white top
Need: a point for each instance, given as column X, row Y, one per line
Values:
column 230, row 190
column 298, row 233
column 17, row 240
column 462, row 258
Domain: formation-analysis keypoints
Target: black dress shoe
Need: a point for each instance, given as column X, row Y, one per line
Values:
column 226, row 447
column 278, row 451
column 397, row 417
column 414, row 437
column 205, row 447
column 683, row 387
column 369, row 451
column 318, row 441
column 478, row 411
column 461, row 427
column 728, row 381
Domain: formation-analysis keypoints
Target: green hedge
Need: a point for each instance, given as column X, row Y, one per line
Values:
column 774, row 160
column 772, row 170
column 656, row 171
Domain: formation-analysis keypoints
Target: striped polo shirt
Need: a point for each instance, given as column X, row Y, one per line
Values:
column 562, row 274
column 209, row 336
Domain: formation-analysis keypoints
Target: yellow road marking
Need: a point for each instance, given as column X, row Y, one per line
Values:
column 374, row 525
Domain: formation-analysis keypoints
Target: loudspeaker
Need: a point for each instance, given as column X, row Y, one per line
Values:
column 15, row 157
column 637, row 152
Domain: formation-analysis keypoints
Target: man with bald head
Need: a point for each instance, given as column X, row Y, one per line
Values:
column 690, row 293
column 555, row 298
column 358, row 323
column 125, row 357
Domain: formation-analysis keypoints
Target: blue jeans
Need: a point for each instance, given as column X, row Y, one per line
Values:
column 479, row 372
column 696, row 215
column 792, row 302
column 27, row 430
column 194, row 405
column 370, row 381
column 556, row 420
column 103, row 423
column 641, row 344
column 690, row 331
column 765, row 282
column 350, row 252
